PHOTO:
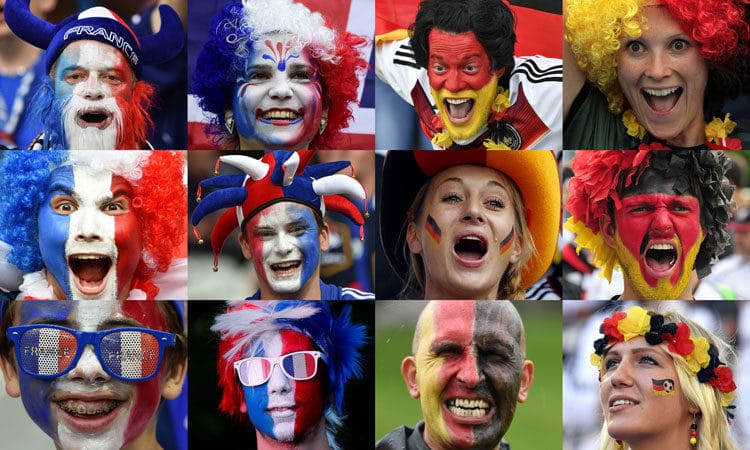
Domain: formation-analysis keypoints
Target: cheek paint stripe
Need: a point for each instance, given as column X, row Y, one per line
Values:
column 432, row 229
column 507, row 243
column 663, row 387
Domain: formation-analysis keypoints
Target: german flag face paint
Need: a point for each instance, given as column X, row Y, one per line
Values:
column 663, row 387
column 468, row 364
column 507, row 244
column 432, row 229
column 282, row 408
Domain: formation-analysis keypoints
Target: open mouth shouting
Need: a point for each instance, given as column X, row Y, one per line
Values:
column 470, row 249
column 88, row 414
column 286, row 269
column 661, row 101
column 660, row 258
column 280, row 117
column 90, row 272
column 459, row 110
column 99, row 118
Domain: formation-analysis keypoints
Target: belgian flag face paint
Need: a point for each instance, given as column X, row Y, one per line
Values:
column 468, row 363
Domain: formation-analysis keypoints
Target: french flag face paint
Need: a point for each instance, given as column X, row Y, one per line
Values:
column 279, row 103
column 90, row 233
column 285, row 243
column 86, row 408
column 282, row 408
column 90, row 78
column 468, row 371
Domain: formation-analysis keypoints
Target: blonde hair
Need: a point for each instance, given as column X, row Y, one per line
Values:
column 509, row 287
column 713, row 423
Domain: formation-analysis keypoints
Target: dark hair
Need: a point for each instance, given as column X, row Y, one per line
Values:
column 491, row 21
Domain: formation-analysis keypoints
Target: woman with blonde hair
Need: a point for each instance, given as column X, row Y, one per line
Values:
column 653, row 73
column 664, row 383
column 469, row 224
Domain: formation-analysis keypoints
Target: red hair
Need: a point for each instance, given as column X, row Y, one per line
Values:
column 136, row 120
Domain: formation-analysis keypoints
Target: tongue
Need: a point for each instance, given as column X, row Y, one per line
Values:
column 663, row 103
column 91, row 273
column 470, row 255
column 460, row 111
column 660, row 262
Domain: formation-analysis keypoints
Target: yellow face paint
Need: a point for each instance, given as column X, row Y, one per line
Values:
column 482, row 98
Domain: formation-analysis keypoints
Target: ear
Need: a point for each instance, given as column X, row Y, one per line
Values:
column 324, row 237
column 515, row 255
column 247, row 251
column 409, row 372
column 175, row 378
column 608, row 229
column 499, row 72
column 693, row 409
column 412, row 238
column 527, row 376
column 44, row 7
column 10, row 374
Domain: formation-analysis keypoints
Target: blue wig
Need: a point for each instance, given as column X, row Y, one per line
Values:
column 24, row 178
column 241, row 328
column 47, row 109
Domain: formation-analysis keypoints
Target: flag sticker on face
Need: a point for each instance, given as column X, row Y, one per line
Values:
column 131, row 354
column 663, row 387
column 432, row 228
column 47, row 351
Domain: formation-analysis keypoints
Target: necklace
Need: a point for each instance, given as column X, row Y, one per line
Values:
column 717, row 132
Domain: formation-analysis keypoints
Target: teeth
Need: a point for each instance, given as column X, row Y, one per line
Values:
column 660, row 92
column 471, row 238
column 280, row 115
column 662, row 247
column 456, row 101
column 81, row 408
column 468, row 407
column 88, row 257
column 285, row 265
column 623, row 402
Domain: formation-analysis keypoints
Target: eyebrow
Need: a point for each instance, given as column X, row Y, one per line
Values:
column 493, row 183
column 637, row 351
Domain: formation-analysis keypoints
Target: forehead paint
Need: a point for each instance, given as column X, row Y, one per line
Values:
column 663, row 387
column 457, row 62
column 432, row 229
column 507, row 243
column 88, row 56
column 281, row 392
column 280, row 54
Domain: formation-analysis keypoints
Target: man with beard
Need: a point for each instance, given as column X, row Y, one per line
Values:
column 457, row 68
column 284, row 365
column 93, row 98
column 659, row 216
column 468, row 370
column 95, row 225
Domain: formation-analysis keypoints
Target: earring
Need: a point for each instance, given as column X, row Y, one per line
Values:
column 694, row 432
column 323, row 124
column 229, row 124
column 618, row 444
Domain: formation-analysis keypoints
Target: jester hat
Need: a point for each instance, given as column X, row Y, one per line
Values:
column 280, row 176
column 533, row 171
column 600, row 174
column 242, row 326
column 98, row 24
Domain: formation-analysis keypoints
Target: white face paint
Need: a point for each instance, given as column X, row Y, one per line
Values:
column 89, row 79
column 280, row 394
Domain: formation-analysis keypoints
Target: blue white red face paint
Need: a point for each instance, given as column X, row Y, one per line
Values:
column 284, row 239
column 93, row 82
column 86, row 408
column 89, row 234
column 279, row 102
column 282, row 408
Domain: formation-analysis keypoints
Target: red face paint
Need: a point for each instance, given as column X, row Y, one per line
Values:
column 659, row 230
column 128, row 234
column 309, row 395
column 457, row 62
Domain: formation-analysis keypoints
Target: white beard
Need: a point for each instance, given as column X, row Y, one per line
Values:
column 91, row 138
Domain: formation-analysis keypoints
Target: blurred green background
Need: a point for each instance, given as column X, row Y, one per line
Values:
column 537, row 423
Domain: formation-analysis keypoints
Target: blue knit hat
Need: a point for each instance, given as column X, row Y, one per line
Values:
column 98, row 24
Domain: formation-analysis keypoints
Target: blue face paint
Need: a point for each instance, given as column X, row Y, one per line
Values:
column 309, row 240
column 256, row 402
column 54, row 228
column 35, row 392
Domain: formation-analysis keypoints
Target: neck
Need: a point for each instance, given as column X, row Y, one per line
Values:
column 16, row 55
column 314, row 439
column 252, row 144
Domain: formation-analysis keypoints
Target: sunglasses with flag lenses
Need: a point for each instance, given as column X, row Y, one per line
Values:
column 256, row 370
column 127, row 354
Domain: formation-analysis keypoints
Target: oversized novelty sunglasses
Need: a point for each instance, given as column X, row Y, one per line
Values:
column 127, row 354
column 256, row 370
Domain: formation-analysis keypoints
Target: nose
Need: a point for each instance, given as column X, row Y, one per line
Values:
column 92, row 88
column 472, row 211
column 661, row 223
column 454, row 82
column 281, row 88
column 89, row 225
column 468, row 371
column 659, row 65
column 621, row 375
column 284, row 244
column 278, row 383
column 88, row 369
